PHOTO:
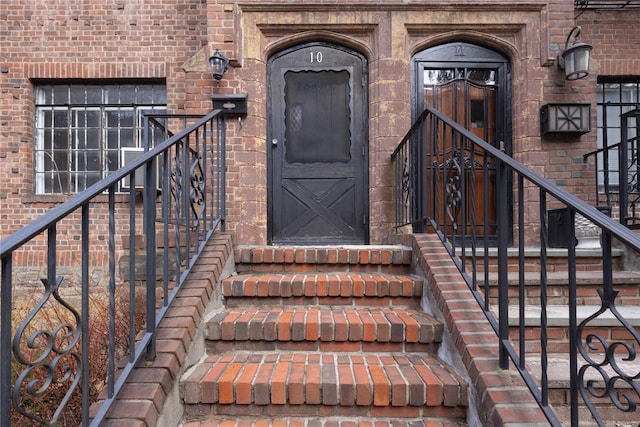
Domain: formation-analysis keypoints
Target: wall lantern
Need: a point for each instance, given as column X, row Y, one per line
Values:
column 219, row 64
column 574, row 59
column 565, row 118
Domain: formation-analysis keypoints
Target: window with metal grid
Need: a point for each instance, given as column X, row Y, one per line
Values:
column 81, row 130
column 614, row 99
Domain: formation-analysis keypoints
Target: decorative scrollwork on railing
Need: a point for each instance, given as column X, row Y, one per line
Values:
column 50, row 357
column 605, row 373
column 453, row 169
column 453, row 194
column 197, row 190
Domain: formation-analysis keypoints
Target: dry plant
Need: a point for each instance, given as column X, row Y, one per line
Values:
column 47, row 356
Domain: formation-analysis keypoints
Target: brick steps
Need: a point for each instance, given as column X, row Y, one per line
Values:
column 324, row 329
column 265, row 259
column 320, row 336
column 403, row 385
column 333, row 288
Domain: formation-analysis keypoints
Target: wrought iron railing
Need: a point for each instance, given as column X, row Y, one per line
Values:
column 478, row 199
column 619, row 188
column 148, row 237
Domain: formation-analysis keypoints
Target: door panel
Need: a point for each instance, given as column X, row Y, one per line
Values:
column 317, row 157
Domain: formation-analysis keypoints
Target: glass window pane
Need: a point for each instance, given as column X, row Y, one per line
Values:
column 60, row 94
column 60, row 139
column 78, row 95
column 126, row 138
column 47, row 118
column 145, row 95
column 126, row 117
column 113, row 138
column 60, row 118
column 113, row 118
column 159, row 94
column 93, row 138
column 113, row 160
column 92, row 178
column 94, row 94
column 44, row 95
column 127, row 94
column 317, row 117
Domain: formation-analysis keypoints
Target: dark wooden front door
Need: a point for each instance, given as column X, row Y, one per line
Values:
column 317, row 146
column 471, row 85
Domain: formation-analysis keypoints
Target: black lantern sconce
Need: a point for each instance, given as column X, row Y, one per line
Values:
column 219, row 64
column 574, row 59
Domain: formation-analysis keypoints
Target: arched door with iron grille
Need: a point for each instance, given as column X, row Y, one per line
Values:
column 471, row 85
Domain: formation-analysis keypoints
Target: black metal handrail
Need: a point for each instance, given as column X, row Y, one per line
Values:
column 444, row 174
column 180, row 198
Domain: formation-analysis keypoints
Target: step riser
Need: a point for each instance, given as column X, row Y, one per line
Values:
column 260, row 268
column 370, row 412
column 354, row 347
column 405, row 302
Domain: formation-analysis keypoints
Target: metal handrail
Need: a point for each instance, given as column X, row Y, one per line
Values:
column 185, row 208
column 442, row 174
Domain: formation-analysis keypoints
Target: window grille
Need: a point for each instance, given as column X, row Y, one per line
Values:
column 614, row 99
column 81, row 129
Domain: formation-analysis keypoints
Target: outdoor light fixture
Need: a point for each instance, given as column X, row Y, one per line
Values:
column 219, row 64
column 565, row 118
column 574, row 59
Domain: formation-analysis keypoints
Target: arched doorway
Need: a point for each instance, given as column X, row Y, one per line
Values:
column 470, row 84
column 317, row 146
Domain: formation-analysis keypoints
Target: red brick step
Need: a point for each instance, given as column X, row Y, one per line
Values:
column 392, row 385
column 262, row 259
column 362, row 329
column 377, row 289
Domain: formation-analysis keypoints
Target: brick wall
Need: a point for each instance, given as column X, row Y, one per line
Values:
column 172, row 39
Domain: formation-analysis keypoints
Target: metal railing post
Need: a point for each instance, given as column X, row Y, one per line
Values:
column 503, row 267
column 6, row 330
